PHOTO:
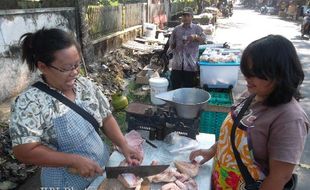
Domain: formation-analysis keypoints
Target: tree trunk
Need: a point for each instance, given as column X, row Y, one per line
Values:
column 87, row 47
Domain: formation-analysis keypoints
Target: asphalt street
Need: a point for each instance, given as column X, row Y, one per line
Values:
column 247, row 25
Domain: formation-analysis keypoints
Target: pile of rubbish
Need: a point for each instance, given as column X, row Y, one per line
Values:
column 12, row 172
column 116, row 66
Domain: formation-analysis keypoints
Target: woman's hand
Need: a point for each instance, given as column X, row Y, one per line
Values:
column 133, row 157
column 84, row 167
column 207, row 154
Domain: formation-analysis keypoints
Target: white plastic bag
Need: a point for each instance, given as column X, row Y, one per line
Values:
column 179, row 144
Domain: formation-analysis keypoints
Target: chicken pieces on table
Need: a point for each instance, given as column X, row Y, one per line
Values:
column 188, row 168
column 179, row 177
column 129, row 180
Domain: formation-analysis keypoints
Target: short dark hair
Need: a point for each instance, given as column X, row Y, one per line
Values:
column 42, row 44
column 274, row 58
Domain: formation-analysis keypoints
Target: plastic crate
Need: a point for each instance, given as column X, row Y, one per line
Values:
column 201, row 50
column 220, row 98
column 211, row 121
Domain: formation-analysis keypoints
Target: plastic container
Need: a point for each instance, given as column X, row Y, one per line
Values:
column 220, row 98
column 149, row 30
column 211, row 121
column 161, row 37
column 219, row 75
column 158, row 85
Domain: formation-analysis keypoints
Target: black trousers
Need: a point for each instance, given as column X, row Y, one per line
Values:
column 180, row 79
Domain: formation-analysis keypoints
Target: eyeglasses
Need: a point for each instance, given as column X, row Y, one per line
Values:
column 73, row 67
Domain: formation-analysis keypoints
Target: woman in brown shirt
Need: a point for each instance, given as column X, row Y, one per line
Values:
column 271, row 134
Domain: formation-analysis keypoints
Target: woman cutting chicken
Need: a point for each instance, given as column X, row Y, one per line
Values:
column 272, row 129
column 48, row 133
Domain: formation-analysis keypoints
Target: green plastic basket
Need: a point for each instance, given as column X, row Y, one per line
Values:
column 220, row 98
column 201, row 49
column 211, row 122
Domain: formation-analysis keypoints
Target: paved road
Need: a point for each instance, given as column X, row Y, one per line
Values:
column 246, row 26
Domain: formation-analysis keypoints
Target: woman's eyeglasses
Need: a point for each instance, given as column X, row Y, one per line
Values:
column 67, row 70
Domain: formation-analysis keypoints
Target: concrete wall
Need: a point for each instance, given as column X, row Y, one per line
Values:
column 14, row 75
column 107, row 43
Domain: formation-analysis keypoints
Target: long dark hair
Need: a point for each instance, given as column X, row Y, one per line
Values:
column 41, row 46
column 274, row 58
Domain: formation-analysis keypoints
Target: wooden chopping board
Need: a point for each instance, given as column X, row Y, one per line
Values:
column 114, row 184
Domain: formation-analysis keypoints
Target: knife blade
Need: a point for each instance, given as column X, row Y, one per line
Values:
column 141, row 171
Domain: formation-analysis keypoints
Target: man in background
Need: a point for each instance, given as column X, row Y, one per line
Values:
column 184, row 44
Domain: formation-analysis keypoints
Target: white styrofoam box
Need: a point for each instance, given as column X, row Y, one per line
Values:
column 218, row 75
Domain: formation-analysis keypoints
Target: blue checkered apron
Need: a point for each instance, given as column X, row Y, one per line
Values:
column 77, row 136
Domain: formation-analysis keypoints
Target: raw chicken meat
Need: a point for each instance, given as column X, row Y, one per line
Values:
column 187, row 185
column 135, row 140
column 123, row 163
column 169, row 175
column 187, row 168
column 129, row 180
column 176, row 180
column 170, row 186
column 154, row 163
column 191, row 184
column 181, row 185
column 183, row 177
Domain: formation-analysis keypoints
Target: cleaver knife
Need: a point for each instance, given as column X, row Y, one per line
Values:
column 141, row 171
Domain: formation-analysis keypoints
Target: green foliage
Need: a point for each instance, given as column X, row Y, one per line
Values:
column 4, row 125
column 82, row 72
column 120, row 117
column 135, row 94
column 183, row 1
column 27, row 4
column 112, row 3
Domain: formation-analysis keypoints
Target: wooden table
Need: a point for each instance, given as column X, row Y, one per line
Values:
column 161, row 154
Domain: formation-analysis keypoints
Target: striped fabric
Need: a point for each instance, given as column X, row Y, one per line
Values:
column 74, row 135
